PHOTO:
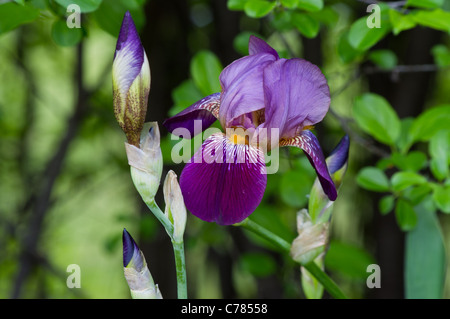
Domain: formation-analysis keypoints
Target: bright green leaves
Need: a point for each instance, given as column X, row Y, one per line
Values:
column 439, row 148
column 427, row 4
column 367, row 31
column 205, row 71
column 85, row 5
column 405, row 215
column 429, row 123
column 384, row 59
column 403, row 180
column 441, row 55
column 65, row 36
column 13, row 15
column 374, row 179
column 306, row 24
column 258, row 8
column 425, row 257
column 436, row 19
column 400, row 22
column 441, row 197
column 377, row 118
column 310, row 5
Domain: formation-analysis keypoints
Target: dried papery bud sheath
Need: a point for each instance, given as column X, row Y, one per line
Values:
column 175, row 208
column 311, row 241
column 131, row 81
column 136, row 271
column 146, row 162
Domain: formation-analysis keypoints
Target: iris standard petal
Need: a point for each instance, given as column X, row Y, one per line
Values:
column 257, row 45
column 227, row 183
column 242, row 87
column 308, row 142
column 296, row 94
column 206, row 110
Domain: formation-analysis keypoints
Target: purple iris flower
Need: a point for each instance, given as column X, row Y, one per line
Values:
column 261, row 94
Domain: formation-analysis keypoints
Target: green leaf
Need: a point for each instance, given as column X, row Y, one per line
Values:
column 405, row 140
column 427, row 4
column 13, row 15
column 258, row 264
column 310, row 5
column 294, row 188
column 386, row 204
column 85, row 5
column 373, row 179
column 405, row 214
column 441, row 197
column 417, row 194
column 384, row 59
column 306, row 24
column 348, row 259
column 290, row 4
column 65, row 36
column 377, row 118
column 237, row 5
column 413, row 161
column 258, row 8
column 436, row 19
column 403, row 180
column 205, row 71
column 346, row 52
column 439, row 148
column 400, row 22
column 362, row 37
column 441, row 55
column 430, row 122
column 327, row 16
column 425, row 260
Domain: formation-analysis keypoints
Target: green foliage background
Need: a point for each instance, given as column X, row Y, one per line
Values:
column 65, row 188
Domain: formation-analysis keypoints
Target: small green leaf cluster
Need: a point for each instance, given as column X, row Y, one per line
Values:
column 407, row 176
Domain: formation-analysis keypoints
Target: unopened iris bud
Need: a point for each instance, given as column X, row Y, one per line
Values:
column 136, row 271
column 175, row 208
column 131, row 81
column 311, row 241
column 146, row 162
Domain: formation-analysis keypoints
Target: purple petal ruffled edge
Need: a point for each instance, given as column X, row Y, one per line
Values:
column 206, row 110
column 296, row 95
column 227, row 184
column 308, row 142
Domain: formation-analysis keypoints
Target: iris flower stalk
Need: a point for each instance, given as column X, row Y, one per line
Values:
column 131, row 87
column 266, row 102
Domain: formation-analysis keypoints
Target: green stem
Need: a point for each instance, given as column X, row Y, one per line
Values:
column 313, row 269
column 180, row 264
column 160, row 216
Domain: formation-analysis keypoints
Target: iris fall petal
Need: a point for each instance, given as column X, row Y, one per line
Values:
column 224, row 182
column 308, row 142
